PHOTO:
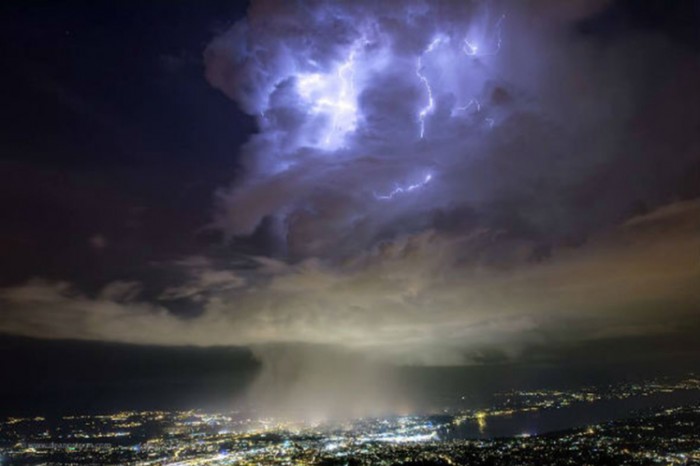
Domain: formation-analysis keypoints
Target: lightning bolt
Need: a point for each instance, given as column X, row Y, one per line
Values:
column 428, row 109
column 464, row 108
column 404, row 189
column 344, row 103
column 471, row 48
column 498, row 32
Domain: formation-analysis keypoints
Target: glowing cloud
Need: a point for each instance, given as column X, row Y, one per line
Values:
column 333, row 97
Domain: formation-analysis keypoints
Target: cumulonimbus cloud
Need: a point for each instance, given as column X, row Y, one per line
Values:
column 374, row 119
column 445, row 178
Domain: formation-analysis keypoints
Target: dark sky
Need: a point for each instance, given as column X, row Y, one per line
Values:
column 110, row 133
column 501, row 184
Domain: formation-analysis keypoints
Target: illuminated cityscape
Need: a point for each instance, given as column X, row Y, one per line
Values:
column 649, row 436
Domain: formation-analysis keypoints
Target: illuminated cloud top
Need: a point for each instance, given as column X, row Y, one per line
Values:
column 358, row 106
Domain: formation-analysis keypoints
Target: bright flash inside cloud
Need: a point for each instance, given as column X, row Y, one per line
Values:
column 371, row 94
column 333, row 97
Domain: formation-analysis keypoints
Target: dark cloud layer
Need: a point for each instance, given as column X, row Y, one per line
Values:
column 428, row 298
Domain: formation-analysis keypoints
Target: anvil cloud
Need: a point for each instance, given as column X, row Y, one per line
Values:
column 439, row 181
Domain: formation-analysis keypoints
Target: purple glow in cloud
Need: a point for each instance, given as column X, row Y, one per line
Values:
column 338, row 105
column 332, row 96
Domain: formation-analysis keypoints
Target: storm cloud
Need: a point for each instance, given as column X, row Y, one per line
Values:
column 437, row 181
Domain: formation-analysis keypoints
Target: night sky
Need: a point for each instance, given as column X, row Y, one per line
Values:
column 300, row 198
